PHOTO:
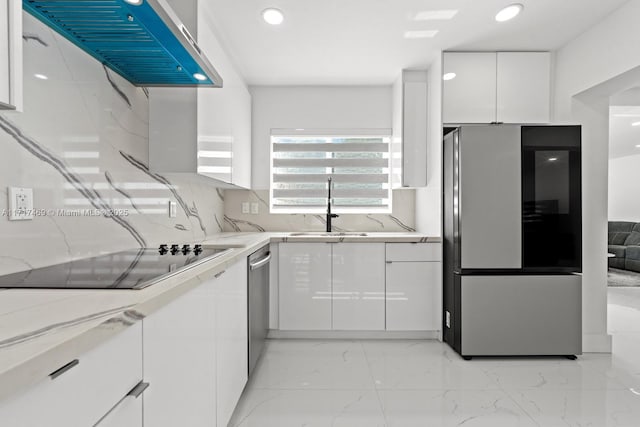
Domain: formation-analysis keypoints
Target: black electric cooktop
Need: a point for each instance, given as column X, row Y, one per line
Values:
column 134, row 269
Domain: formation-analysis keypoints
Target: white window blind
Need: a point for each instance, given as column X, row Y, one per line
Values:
column 357, row 162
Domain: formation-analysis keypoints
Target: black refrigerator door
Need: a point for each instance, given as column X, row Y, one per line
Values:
column 551, row 199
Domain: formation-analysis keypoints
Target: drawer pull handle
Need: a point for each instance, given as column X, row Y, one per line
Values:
column 219, row 274
column 389, row 262
column 55, row 374
column 138, row 390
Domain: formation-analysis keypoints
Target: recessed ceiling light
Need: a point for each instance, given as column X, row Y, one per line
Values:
column 420, row 34
column 635, row 124
column 509, row 12
column 199, row 76
column 638, row 146
column 449, row 76
column 273, row 16
column 435, row 15
column 553, row 159
column 41, row 76
column 134, row 2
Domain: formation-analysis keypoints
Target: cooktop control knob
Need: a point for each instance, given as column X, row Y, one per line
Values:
column 197, row 249
column 175, row 249
column 186, row 249
column 163, row 249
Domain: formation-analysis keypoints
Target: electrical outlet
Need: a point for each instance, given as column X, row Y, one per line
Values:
column 173, row 209
column 20, row 204
column 245, row 207
column 447, row 319
column 255, row 208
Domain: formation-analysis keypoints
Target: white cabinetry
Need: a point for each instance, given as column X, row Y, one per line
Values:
column 331, row 286
column 524, row 87
column 410, row 128
column 128, row 413
column 195, row 353
column 180, row 361
column 205, row 130
column 11, row 55
column 304, row 286
column 232, row 363
column 84, row 390
column 358, row 286
column 503, row 87
column 414, row 283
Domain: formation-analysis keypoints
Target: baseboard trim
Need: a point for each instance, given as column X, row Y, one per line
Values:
column 373, row 335
column 597, row 343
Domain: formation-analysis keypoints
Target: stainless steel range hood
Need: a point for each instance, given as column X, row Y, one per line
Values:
column 142, row 40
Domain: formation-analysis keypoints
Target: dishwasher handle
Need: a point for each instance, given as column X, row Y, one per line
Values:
column 260, row 263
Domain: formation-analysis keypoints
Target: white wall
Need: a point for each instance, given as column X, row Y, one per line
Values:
column 429, row 198
column 588, row 70
column 312, row 107
column 624, row 179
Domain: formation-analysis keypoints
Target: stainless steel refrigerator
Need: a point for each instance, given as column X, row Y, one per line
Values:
column 512, row 240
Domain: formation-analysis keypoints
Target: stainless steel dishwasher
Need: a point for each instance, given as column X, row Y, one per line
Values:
column 258, row 291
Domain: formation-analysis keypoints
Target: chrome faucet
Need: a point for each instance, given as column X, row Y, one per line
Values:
column 329, row 214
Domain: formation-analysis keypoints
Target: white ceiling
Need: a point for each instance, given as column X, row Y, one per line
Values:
column 362, row 41
column 623, row 137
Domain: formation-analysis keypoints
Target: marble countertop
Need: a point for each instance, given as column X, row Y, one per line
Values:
column 43, row 329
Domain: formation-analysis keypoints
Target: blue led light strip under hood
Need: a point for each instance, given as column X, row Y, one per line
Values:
column 146, row 44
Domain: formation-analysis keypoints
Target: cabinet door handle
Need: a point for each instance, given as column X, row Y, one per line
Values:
column 389, row 262
column 55, row 374
column 138, row 389
column 219, row 274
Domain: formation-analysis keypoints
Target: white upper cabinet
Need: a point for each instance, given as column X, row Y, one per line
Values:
column 205, row 130
column 503, row 87
column 524, row 87
column 470, row 96
column 410, row 129
column 11, row 55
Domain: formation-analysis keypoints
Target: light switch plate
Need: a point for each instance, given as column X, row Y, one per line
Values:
column 20, row 203
column 173, row 209
column 255, row 208
column 245, row 207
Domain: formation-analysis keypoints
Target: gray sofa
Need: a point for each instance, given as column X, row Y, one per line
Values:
column 624, row 243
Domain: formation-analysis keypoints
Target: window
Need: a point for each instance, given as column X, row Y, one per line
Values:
column 357, row 161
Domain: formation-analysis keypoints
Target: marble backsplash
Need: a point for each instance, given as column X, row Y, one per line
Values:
column 401, row 219
column 82, row 145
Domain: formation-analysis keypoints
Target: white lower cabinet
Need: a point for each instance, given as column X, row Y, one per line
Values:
column 179, row 361
column 305, row 286
column 128, row 413
column 331, row 286
column 83, row 390
column 358, row 286
column 196, row 354
column 414, row 283
column 232, row 357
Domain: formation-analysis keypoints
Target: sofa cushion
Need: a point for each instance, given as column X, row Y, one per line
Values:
column 618, row 238
column 619, row 260
column 633, row 239
column 622, row 226
column 633, row 253
column 618, row 251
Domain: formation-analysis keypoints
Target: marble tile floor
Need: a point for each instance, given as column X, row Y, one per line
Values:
column 370, row 383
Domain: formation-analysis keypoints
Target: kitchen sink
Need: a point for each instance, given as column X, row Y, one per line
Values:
column 331, row 234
